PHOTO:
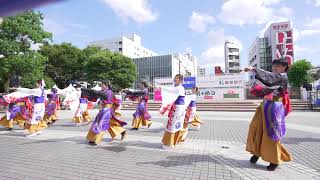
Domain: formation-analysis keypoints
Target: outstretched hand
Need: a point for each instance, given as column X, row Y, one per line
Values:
column 249, row 68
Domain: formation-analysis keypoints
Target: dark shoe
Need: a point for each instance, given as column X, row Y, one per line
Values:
column 134, row 129
column 92, row 143
column 272, row 167
column 149, row 125
column 9, row 129
column 254, row 159
column 123, row 135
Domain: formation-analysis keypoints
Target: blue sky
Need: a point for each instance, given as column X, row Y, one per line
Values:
column 168, row 26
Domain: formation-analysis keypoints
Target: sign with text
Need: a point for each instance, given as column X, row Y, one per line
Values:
column 189, row 82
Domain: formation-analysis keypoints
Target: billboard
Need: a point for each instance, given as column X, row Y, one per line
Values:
column 282, row 41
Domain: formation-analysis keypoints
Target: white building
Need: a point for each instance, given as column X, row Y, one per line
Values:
column 164, row 66
column 201, row 72
column 276, row 42
column 129, row 46
column 232, row 57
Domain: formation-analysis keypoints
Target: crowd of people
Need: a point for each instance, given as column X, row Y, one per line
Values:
column 35, row 109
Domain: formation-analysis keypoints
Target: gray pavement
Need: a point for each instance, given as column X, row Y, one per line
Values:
column 217, row 151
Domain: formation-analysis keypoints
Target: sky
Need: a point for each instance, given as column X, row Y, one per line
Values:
column 178, row 26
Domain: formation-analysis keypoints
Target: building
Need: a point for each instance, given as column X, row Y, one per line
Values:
column 129, row 46
column 260, row 54
column 164, row 66
column 232, row 57
column 217, row 70
column 201, row 72
column 277, row 41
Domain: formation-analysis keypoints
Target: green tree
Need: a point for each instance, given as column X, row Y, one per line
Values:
column 17, row 35
column 297, row 74
column 65, row 63
column 105, row 65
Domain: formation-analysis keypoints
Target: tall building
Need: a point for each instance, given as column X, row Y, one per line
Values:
column 201, row 72
column 164, row 66
column 129, row 46
column 276, row 42
column 232, row 57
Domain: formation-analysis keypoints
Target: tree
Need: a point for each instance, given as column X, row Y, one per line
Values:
column 297, row 74
column 17, row 35
column 65, row 63
column 105, row 65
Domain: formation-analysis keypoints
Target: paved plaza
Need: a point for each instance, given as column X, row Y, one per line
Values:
column 217, row 151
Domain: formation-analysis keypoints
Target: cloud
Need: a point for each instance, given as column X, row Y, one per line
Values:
column 299, row 50
column 58, row 28
column 136, row 10
column 198, row 22
column 54, row 27
column 79, row 35
column 241, row 12
column 312, row 27
column 214, row 54
column 316, row 3
column 310, row 32
column 77, row 26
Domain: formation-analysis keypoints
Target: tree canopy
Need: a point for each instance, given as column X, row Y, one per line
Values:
column 57, row 63
column 65, row 63
column 297, row 74
column 17, row 36
column 105, row 65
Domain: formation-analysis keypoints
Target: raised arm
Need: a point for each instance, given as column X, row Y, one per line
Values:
column 268, row 78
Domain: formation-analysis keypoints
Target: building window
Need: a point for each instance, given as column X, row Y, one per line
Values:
column 120, row 49
column 232, row 64
column 120, row 42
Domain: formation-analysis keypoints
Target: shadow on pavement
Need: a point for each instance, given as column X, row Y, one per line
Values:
column 298, row 140
column 193, row 159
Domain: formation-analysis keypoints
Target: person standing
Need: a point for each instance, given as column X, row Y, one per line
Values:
column 106, row 119
column 141, row 117
column 51, row 114
column 267, row 127
column 173, row 99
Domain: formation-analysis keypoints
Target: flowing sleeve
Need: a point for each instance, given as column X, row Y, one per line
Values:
column 172, row 90
column 29, row 92
column 92, row 94
column 268, row 78
column 168, row 95
column 134, row 94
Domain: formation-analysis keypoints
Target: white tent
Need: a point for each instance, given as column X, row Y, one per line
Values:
column 97, row 88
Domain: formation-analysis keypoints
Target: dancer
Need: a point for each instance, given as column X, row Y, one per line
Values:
column 191, row 116
column 141, row 117
column 106, row 119
column 268, row 124
column 51, row 115
column 17, row 113
column 173, row 98
column 35, row 124
column 82, row 113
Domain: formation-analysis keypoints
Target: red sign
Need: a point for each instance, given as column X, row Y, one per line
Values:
column 278, row 27
column 207, row 97
column 284, row 45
